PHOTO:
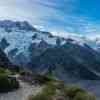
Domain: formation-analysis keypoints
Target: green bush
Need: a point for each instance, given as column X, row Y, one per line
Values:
column 76, row 93
column 47, row 93
column 7, row 83
column 84, row 96
column 72, row 90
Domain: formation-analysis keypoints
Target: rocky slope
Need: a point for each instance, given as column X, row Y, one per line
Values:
column 4, row 61
column 69, row 60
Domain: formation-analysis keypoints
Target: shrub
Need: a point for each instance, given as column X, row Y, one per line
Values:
column 47, row 93
column 76, row 93
column 84, row 96
column 72, row 90
column 57, row 90
column 41, row 79
column 7, row 83
column 69, row 92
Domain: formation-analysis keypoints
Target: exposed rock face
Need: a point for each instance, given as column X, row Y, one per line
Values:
column 4, row 61
column 13, row 52
column 69, row 60
column 4, row 44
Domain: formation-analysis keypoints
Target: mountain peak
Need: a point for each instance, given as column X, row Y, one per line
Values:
column 8, row 25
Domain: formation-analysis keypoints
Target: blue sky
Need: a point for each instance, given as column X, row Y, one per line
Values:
column 79, row 17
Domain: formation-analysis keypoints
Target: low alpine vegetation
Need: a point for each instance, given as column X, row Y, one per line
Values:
column 7, row 82
column 57, row 90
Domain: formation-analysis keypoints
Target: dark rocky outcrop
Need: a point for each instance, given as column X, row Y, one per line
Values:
column 69, row 60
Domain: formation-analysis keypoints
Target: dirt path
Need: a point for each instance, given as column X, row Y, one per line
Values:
column 22, row 93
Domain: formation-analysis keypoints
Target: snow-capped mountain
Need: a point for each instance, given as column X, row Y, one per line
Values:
column 41, row 51
column 21, row 35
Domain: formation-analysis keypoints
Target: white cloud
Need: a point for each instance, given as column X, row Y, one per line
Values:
column 48, row 15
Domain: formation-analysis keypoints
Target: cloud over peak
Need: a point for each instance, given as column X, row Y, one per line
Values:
column 61, row 16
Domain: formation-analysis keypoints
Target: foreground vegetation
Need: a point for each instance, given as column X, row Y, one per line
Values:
column 53, row 89
column 7, row 82
column 56, row 90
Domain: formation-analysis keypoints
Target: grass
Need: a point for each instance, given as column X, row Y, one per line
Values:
column 84, row 96
column 47, row 93
column 72, row 90
column 76, row 93
column 57, row 90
